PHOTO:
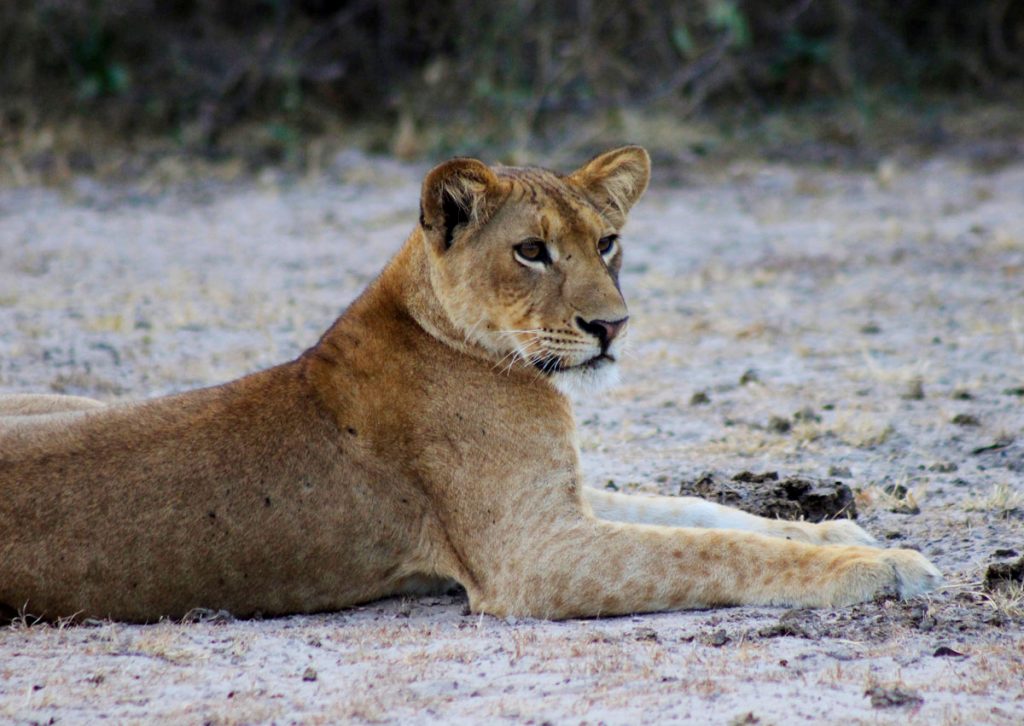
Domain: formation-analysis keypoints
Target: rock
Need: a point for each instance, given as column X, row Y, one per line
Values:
column 309, row 674
column 700, row 398
column 965, row 419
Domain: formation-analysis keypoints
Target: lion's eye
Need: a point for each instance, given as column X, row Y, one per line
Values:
column 606, row 245
column 533, row 250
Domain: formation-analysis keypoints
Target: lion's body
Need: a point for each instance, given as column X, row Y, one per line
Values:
column 420, row 440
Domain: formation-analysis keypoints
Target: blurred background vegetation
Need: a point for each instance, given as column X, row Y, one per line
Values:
column 820, row 78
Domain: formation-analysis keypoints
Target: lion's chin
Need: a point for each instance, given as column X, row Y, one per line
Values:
column 597, row 374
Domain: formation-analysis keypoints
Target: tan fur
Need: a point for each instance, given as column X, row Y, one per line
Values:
column 423, row 439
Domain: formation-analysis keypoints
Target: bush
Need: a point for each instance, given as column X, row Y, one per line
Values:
column 201, row 66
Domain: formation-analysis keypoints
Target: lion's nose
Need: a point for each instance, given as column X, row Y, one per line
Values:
column 604, row 330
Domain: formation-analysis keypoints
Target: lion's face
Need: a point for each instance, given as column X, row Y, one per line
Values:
column 525, row 261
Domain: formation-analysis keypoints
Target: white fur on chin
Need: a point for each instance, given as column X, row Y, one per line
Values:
column 579, row 381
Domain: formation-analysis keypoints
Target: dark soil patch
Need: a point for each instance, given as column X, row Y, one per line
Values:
column 946, row 619
column 767, row 495
column 1001, row 574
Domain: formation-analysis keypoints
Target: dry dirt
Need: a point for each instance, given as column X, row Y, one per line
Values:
column 851, row 327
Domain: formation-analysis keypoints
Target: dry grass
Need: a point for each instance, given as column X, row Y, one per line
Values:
column 1003, row 499
column 861, row 430
column 895, row 497
column 1008, row 600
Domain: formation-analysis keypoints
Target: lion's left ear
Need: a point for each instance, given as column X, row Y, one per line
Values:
column 455, row 194
column 616, row 179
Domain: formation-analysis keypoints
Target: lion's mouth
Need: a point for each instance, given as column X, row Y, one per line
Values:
column 554, row 365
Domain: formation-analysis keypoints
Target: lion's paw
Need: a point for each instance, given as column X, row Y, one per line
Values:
column 864, row 574
column 914, row 574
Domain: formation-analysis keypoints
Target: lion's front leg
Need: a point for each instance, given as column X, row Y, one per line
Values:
column 588, row 568
column 695, row 512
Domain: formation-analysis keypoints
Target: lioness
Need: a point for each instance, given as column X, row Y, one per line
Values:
column 426, row 438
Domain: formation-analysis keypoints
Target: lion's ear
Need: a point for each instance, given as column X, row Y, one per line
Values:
column 616, row 179
column 457, row 193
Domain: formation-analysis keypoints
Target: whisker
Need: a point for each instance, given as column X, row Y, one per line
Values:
column 513, row 330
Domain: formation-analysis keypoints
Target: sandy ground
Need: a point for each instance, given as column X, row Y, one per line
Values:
column 876, row 321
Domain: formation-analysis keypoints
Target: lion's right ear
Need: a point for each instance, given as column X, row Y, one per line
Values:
column 455, row 194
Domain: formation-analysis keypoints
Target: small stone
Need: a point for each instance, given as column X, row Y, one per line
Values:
column 793, row 624
column 914, row 391
column 309, row 675
column 994, row 446
column 611, row 486
column 749, row 376
column 779, row 425
column 892, row 697
column 716, row 639
column 870, row 329
column 208, row 616
column 700, row 398
column 962, row 394
column 646, row 634
column 901, row 505
column 922, row 618
column 943, row 467
column 965, row 419
column 806, row 415
column 843, row 472
column 895, row 490
column 1015, row 391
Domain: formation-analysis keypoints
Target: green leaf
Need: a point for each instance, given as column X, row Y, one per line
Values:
column 726, row 15
column 682, row 40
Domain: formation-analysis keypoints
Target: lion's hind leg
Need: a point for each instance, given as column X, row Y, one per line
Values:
column 695, row 512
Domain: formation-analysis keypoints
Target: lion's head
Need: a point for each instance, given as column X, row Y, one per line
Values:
column 525, row 261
